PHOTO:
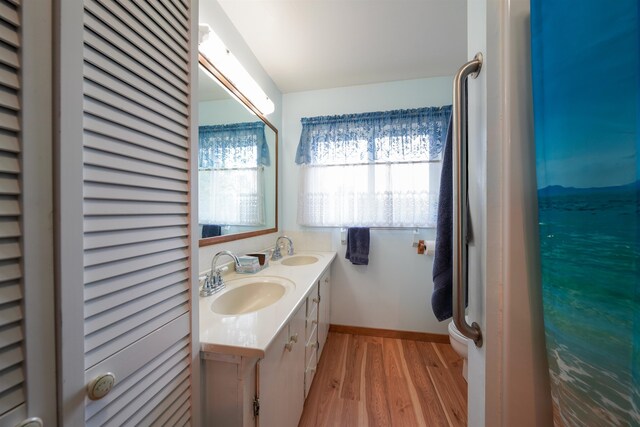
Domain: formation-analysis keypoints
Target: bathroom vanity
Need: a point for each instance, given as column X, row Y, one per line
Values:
column 261, row 339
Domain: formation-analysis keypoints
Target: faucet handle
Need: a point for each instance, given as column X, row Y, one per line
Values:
column 277, row 254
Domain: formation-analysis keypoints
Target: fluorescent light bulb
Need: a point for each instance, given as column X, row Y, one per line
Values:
column 215, row 51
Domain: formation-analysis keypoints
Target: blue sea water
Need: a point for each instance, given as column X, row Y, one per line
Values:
column 590, row 248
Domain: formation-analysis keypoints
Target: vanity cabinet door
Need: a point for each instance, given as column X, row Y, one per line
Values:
column 282, row 376
column 324, row 310
column 296, row 368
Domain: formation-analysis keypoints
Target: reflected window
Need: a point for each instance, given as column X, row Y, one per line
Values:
column 231, row 163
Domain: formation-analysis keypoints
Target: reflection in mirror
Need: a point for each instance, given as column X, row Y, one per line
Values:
column 237, row 162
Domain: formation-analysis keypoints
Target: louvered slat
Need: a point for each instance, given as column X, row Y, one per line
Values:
column 123, row 22
column 176, row 404
column 180, row 14
column 114, row 207
column 124, row 149
column 12, row 374
column 95, row 107
column 114, row 238
column 145, row 59
column 156, row 31
column 123, row 89
column 136, row 207
column 101, row 191
column 125, row 281
column 8, row 34
column 109, row 97
column 9, row 14
column 118, row 313
column 101, row 61
column 131, row 330
column 171, row 16
column 124, row 164
column 100, row 52
column 162, row 388
column 101, row 131
column 99, row 305
column 10, row 292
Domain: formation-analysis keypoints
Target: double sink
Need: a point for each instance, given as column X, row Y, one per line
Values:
column 248, row 294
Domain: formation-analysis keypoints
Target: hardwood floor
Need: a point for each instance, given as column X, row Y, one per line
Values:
column 372, row 381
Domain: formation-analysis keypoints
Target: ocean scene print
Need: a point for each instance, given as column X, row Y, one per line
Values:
column 586, row 122
column 590, row 252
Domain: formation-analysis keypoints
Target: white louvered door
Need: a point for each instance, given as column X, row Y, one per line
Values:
column 27, row 347
column 125, row 236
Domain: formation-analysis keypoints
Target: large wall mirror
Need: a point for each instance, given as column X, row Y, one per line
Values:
column 237, row 163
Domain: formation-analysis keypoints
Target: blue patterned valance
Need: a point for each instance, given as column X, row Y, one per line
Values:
column 233, row 146
column 382, row 137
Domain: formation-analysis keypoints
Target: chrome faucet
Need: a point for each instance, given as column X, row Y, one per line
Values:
column 213, row 282
column 277, row 254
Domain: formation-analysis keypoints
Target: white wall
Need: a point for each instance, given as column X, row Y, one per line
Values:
column 212, row 14
column 394, row 290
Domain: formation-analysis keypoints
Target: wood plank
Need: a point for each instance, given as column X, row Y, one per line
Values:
column 430, row 356
column 427, row 396
column 452, row 401
column 353, row 363
column 390, row 333
column 376, row 387
column 399, row 396
column 454, row 363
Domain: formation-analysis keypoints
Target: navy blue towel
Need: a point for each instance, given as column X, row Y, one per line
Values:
column 358, row 245
column 211, row 230
column 441, row 299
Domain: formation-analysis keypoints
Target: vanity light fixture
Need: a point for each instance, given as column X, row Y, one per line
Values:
column 217, row 53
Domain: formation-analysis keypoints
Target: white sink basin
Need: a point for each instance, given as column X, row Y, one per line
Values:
column 299, row 260
column 247, row 295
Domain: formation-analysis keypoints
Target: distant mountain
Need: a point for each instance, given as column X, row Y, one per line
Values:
column 558, row 190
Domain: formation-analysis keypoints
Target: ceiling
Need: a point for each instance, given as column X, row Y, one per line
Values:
column 318, row 44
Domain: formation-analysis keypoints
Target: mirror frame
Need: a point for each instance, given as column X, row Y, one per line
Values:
column 243, row 99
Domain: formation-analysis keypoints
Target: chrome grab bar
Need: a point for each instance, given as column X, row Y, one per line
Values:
column 461, row 199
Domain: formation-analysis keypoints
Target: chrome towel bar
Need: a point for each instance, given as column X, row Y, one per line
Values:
column 461, row 198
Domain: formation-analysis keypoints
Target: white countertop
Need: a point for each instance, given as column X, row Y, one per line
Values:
column 250, row 334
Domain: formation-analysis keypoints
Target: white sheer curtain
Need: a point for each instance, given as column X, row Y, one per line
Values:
column 231, row 196
column 383, row 195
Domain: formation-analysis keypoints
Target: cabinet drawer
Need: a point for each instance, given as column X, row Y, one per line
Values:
column 311, row 344
column 312, row 303
column 309, row 373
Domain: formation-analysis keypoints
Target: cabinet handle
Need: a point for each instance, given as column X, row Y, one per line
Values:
column 326, row 280
column 313, row 345
column 314, row 322
column 100, row 386
column 292, row 340
column 31, row 422
column 316, row 300
column 311, row 370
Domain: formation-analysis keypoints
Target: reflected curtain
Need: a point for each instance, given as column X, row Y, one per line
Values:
column 231, row 161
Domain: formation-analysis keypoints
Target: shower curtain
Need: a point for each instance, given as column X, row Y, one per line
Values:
column 586, row 77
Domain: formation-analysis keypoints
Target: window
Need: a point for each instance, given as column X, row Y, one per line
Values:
column 231, row 162
column 373, row 169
